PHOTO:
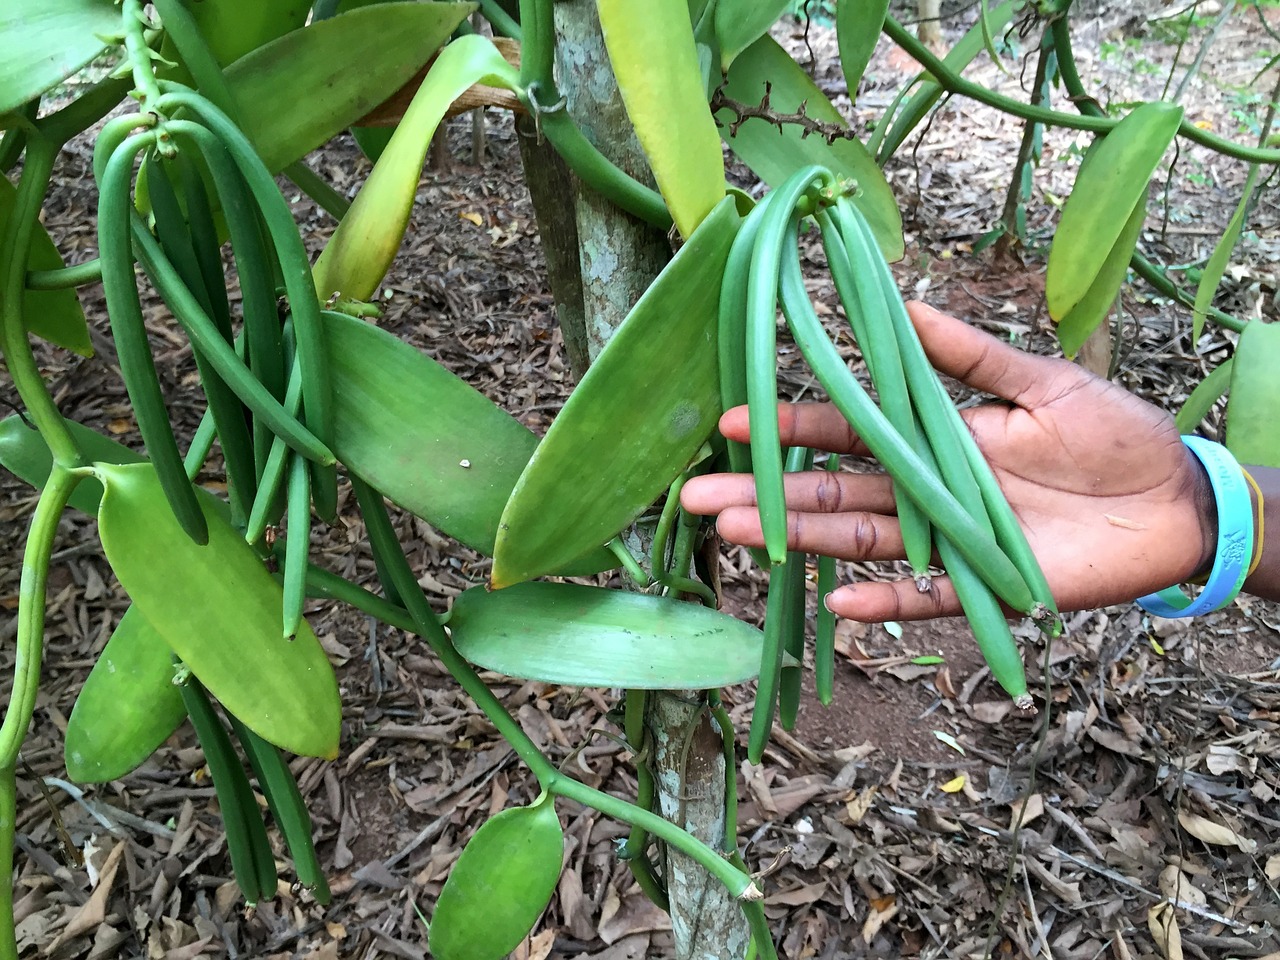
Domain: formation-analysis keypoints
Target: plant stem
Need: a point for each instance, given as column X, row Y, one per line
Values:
column 26, row 677
column 501, row 21
column 15, row 247
column 318, row 189
column 60, row 279
column 1086, row 104
column 385, row 545
column 134, row 19
column 954, row 83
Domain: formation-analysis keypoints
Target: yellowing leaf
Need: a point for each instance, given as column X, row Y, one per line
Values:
column 653, row 55
column 954, row 785
column 472, row 217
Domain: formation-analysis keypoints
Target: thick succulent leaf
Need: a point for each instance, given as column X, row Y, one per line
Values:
column 775, row 156
column 219, row 610
column 54, row 315
column 929, row 91
column 1098, row 215
column 360, row 251
column 591, row 637
column 43, row 43
column 234, row 28
column 1221, row 256
column 634, row 421
column 1255, row 396
column 1093, row 307
column 24, row 453
column 334, row 72
column 127, row 707
column 1207, row 392
column 427, row 440
column 858, row 24
column 652, row 51
column 500, row 885
column 740, row 23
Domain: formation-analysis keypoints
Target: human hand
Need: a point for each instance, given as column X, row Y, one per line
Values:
column 1113, row 505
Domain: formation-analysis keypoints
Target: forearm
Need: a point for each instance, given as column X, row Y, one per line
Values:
column 1265, row 580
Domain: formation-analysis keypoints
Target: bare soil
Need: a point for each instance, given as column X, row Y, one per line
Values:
column 884, row 820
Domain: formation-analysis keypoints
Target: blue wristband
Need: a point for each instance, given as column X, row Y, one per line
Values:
column 1235, row 537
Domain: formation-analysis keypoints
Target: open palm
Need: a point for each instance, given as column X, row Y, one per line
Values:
column 1113, row 504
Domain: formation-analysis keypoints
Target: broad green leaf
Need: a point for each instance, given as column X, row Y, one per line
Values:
column 500, row 885
column 371, row 140
column 1208, row 392
column 1093, row 307
column 774, row 156
column 359, row 253
column 1097, row 219
column 858, row 24
column 330, row 74
column 592, row 637
column 24, row 453
column 929, row 91
column 427, row 440
column 234, row 28
column 43, row 43
column 653, row 55
column 219, row 610
column 55, row 315
column 740, row 23
column 1217, row 264
column 128, row 706
column 1255, row 396
column 634, row 421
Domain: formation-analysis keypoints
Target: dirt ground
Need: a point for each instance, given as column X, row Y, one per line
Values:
column 885, row 819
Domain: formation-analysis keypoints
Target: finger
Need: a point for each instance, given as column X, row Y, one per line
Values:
column 879, row 601
column 846, row 536
column 986, row 364
column 813, row 491
column 816, row 425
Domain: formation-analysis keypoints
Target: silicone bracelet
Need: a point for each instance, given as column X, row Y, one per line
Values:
column 1235, row 537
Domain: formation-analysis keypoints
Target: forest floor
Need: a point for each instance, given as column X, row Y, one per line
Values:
column 888, row 815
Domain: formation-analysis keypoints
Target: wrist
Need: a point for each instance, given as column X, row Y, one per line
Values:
column 1233, row 542
column 1206, row 511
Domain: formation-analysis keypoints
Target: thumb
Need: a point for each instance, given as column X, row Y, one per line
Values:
column 984, row 363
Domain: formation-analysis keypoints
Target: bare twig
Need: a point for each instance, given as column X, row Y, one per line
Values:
column 827, row 130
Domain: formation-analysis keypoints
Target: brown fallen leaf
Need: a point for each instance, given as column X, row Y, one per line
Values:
column 1219, row 834
column 94, row 910
column 1163, row 924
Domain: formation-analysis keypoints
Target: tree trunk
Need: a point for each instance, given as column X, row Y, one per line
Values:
column 929, row 30
column 619, row 256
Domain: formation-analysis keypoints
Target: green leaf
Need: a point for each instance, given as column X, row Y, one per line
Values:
column 234, row 28
column 128, row 706
column 1255, row 396
column 858, row 25
column 360, row 252
column 1093, row 307
column 929, row 91
column 330, row 74
column 740, row 23
column 24, row 453
column 219, row 610
column 581, row 636
column 54, row 315
column 1097, row 219
column 655, row 60
column 634, row 421
column 426, row 439
column 1217, row 264
column 774, row 156
column 1208, row 392
column 43, row 43
column 500, row 885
